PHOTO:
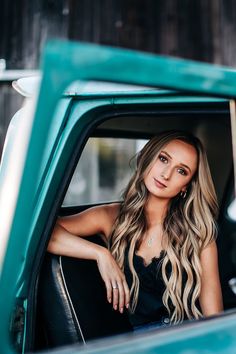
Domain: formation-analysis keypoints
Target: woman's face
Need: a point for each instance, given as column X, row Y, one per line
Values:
column 173, row 170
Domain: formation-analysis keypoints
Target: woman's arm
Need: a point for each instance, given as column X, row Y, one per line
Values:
column 211, row 296
column 98, row 219
column 68, row 239
column 66, row 236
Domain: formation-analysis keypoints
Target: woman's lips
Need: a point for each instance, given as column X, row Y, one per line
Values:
column 159, row 184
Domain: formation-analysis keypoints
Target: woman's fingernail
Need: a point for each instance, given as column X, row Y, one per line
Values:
column 115, row 307
column 109, row 300
column 127, row 306
column 121, row 310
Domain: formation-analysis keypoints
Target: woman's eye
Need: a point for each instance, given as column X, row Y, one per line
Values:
column 163, row 159
column 182, row 171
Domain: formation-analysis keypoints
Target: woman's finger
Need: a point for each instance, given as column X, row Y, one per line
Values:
column 115, row 295
column 121, row 296
column 126, row 294
column 109, row 291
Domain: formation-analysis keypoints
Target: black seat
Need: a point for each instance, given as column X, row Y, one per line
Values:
column 72, row 302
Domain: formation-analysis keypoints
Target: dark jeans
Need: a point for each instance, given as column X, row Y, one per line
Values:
column 164, row 322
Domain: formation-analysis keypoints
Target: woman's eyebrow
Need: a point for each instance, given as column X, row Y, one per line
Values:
column 182, row 164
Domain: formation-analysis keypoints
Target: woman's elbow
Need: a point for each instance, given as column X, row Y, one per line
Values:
column 54, row 240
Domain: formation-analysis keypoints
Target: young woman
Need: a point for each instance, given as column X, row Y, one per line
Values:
column 161, row 261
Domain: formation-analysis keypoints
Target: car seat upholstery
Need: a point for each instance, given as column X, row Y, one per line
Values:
column 72, row 302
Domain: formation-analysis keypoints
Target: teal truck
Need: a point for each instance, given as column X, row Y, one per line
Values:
column 68, row 148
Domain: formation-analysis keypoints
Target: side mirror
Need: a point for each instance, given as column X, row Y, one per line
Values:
column 231, row 211
column 232, row 285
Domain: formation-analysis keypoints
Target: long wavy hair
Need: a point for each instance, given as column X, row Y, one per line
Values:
column 188, row 227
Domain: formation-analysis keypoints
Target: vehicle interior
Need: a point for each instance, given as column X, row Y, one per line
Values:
column 69, row 298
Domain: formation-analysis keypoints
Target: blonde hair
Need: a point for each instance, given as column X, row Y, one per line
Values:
column 188, row 227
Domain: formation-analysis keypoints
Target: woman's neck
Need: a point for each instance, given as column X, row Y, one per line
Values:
column 155, row 210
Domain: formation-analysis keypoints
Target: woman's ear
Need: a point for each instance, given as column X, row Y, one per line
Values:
column 184, row 189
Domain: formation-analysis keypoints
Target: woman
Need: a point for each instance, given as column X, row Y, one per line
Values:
column 161, row 260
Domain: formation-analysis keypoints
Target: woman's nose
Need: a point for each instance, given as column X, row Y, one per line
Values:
column 163, row 175
column 166, row 173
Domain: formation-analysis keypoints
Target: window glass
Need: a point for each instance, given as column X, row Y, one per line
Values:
column 103, row 171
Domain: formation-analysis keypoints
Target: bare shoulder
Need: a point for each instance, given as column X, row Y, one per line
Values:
column 97, row 219
column 107, row 211
column 111, row 212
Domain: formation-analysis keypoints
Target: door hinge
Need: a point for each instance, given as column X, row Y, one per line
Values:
column 17, row 327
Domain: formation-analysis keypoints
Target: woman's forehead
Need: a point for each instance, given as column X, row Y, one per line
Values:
column 181, row 152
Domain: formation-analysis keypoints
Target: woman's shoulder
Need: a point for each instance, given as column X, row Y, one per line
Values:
column 108, row 214
column 111, row 211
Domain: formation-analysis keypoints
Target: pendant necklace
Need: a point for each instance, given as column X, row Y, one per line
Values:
column 151, row 239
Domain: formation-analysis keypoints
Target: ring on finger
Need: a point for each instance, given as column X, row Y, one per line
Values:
column 114, row 286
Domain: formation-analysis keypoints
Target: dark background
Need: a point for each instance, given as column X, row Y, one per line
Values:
column 195, row 29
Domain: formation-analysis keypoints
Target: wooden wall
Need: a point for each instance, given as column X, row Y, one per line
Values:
column 197, row 29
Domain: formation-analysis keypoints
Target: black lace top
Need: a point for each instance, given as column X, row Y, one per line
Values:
column 150, row 307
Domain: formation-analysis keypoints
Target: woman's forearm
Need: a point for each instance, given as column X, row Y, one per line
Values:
column 66, row 244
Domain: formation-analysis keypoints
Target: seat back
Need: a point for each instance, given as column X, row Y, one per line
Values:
column 73, row 303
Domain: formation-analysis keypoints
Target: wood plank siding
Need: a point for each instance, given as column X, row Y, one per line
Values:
column 196, row 29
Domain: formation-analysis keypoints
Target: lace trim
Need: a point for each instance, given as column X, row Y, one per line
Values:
column 153, row 260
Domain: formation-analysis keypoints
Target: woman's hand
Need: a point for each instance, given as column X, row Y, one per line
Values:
column 69, row 239
column 116, row 286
